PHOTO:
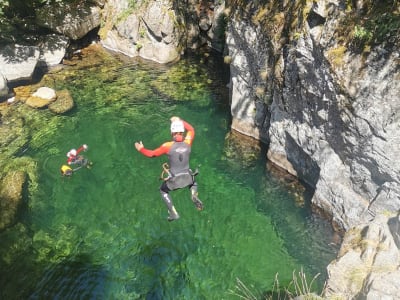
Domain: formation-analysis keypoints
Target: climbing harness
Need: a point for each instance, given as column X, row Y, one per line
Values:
column 165, row 174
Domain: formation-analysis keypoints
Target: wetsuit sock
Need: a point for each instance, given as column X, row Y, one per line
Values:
column 173, row 214
column 195, row 197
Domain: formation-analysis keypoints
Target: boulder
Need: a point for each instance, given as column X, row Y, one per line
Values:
column 53, row 49
column 18, row 62
column 3, row 86
column 68, row 19
column 41, row 98
column 63, row 103
column 150, row 32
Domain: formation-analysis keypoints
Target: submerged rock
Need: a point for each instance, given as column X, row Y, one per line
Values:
column 11, row 188
column 242, row 148
column 63, row 103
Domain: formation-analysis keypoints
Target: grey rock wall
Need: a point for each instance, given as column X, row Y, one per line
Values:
column 368, row 263
column 160, row 31
column 332, row 122
column 330, row 116
column 148, row 30
column 73, row 21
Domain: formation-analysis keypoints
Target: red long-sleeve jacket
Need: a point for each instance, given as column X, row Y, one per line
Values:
column 165, row 147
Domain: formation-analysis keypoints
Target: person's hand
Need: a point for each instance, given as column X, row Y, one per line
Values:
column 85, row 147
column 139, row 146
column 174, row 118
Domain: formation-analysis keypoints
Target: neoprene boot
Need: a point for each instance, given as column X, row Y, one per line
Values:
column 173, row 214
column 195, row 197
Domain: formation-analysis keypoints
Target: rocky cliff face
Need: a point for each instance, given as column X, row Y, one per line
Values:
column 306, row 82
column 318, row 81
column 160, row 30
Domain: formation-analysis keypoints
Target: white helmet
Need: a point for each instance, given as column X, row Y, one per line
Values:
column 72, row 152
column 177, row 126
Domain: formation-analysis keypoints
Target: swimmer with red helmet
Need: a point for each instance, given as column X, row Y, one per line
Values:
column 180, row 175
column 72, row 154
column 75, row 159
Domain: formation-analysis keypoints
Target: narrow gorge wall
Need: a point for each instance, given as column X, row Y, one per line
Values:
column 162, row 30
column 328, row 110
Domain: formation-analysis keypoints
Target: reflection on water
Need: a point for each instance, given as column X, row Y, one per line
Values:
column 103, row 233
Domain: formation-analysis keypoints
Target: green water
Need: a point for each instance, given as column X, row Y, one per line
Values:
column 103, row 233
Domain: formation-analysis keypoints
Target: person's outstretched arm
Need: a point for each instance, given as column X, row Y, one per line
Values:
column 163, row 149
column 81, row 148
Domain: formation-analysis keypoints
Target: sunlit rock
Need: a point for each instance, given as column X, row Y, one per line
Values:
column 18, row 62
column 150, row 32
column 367, row 266
column 3, row 85
column 53, row 49
column 42, row 97
column 23, row 92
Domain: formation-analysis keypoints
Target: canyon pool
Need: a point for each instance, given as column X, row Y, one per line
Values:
column 103, row 232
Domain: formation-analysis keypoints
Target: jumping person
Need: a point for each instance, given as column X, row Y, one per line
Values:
column 179, row 173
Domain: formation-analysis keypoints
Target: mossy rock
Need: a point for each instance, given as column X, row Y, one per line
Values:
column 11, row 188
column 241, row 148
column 63, row 103
column 37, row 102
column 12, row 135
column 22, row 93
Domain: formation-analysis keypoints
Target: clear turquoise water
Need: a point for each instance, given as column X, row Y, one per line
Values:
column 103, row 233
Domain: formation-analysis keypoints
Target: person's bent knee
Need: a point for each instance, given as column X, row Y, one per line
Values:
column 164, row 188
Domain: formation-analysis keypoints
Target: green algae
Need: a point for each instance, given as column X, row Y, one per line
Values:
column 185, row 82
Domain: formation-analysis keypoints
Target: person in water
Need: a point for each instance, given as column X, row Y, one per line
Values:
column 74, row 158
column 66, row 170
column 179, row 173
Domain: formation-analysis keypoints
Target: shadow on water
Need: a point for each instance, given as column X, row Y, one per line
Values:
column 161, row 265
column 72, row 278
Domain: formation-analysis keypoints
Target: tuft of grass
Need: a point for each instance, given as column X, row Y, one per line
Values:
column 336, row 55
column 300, row 285
column 362, row 36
